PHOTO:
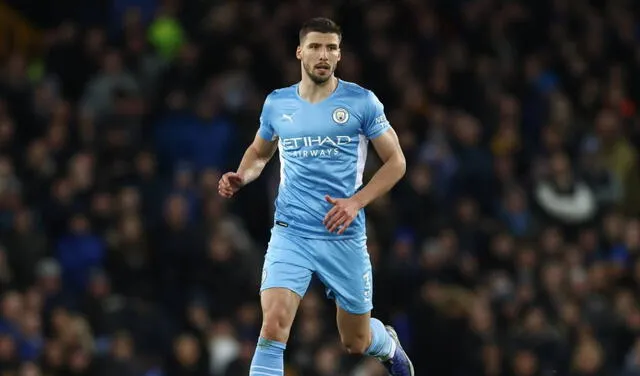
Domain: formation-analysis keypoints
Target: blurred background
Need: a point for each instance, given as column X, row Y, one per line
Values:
column 512, row 246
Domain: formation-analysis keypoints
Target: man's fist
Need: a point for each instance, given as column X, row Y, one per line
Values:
column 229, row 184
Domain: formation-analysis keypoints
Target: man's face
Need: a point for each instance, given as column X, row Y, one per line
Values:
column 319, row 54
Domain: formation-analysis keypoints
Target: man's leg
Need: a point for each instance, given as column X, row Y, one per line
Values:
column 363, row 334
column 345, row 269
column 286, row 275
column 279, row 306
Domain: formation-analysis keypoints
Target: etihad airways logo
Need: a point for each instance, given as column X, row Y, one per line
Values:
column 310, row 141
column 314, row 146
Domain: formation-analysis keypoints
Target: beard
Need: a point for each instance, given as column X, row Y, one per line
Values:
column 317, row 79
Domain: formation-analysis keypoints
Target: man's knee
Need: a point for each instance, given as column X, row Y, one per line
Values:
column 356, row 343
column 276, row 324
column 355, row 331
column 278, row 311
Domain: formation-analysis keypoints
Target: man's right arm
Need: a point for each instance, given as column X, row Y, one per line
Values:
column 256, row 158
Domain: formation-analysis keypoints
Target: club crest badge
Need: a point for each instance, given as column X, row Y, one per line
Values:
column 340, row 115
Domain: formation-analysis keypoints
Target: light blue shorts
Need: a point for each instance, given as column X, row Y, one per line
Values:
column 343, row 266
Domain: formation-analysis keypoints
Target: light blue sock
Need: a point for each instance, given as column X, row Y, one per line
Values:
column 268, row 359
column 382, row 345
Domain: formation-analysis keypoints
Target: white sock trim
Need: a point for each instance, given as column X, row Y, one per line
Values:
column 392, row 349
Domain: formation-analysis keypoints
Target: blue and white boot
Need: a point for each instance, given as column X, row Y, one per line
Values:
column 399, row 364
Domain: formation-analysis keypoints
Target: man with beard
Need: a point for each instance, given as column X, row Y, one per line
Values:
column 321, row 126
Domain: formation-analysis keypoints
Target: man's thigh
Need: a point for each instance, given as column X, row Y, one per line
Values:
column 345, row 269
column 287, row 265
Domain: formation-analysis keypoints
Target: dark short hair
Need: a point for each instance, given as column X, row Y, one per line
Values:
column 320, row 25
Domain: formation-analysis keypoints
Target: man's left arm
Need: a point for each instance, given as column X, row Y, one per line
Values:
column 345, row 210
column 393, row 168
column 376, row 128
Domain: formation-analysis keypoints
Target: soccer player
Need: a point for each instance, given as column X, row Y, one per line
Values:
column 321, row 127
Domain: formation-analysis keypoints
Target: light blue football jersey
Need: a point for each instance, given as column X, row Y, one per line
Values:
column 323, row 149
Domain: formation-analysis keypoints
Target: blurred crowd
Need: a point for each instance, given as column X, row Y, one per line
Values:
column 512, row 246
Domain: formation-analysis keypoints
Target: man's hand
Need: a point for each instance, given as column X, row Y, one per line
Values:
column 344, row 211
column 229, row 184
